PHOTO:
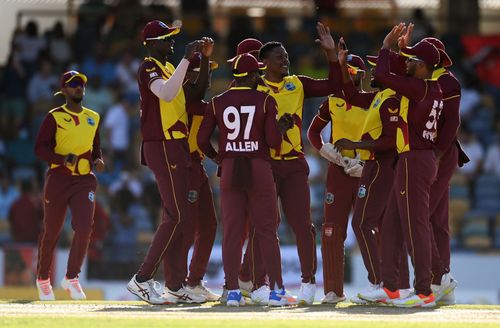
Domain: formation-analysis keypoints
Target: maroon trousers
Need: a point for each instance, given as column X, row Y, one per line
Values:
column 439, row 202
column 260, row 204
column 341, row 191
column 252, row 267
column 169, row 160
column 201, row 232
column 375, row 186
column 291, row 177
column 415, row 172
column 61, row 191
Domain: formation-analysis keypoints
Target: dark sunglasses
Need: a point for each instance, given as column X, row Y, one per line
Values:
column 75, row 84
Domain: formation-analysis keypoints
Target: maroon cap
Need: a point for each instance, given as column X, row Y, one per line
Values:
column 69, row 76
column 157, row 30
column 398, row 67
column 356, row 62
column 247, row 46
column 444, row 59
column 424, row 51
column 244, row 64
column 195, row 62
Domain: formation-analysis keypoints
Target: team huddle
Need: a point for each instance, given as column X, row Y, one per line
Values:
column 390, row 156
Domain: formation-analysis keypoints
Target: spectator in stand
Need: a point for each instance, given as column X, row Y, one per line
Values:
column 59, row 47
column 126, row 72
column 26, row 215
column 8, row 194
column 97, row 96
column 42, row 85
column 31, row 45
column 117, row 130
column 99, row 65
column 491, row 163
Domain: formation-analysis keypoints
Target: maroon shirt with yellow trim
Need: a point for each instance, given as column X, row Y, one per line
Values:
column 160, row 120
column 247, row 124
column 421, row 105
column 195, row 111
column 449, row 120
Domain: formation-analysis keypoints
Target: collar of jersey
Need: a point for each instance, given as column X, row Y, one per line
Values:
column 278, row 85
column 162, row 66
column 437, row 73
column 66, row 109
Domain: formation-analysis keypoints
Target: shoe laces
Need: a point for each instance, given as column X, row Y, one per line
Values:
column 45, row 286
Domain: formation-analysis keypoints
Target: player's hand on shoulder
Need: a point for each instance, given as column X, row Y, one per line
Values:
column 285, row 122
column 99, row 165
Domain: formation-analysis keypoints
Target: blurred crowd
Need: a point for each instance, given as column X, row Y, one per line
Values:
column 106, row 47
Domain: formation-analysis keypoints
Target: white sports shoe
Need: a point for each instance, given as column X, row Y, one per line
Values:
column 147, row 291
column 281, row 297
column 332, row 298
column 307, row 293
column 415, row 300
column 357, row 300
column 45, row 292
column 448, row 285
column 245, row 287
column 260, row 296
column 235, row 298
column 380, row 294
column 73, row 287
column 448, row 299
column 223, row 297
column 201, row 290
column 183, row 295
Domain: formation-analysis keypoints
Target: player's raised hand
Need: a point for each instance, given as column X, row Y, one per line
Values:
column 343, row 52
column 326, row 40
column 405, row 39
column 191, row 48
column 392, row 37
column 208, row 46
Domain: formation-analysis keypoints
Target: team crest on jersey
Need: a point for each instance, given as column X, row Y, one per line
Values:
column 362, row 191
column 290, row 86
column 90, row 121
column 91, row 196
column 192, row 196
column 377, row 102
column 393, row 118
column 329, row 198
column 328, row 231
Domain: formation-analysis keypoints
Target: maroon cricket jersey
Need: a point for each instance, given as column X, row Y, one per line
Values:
column 160, row 120
column 247, row 124
column 421, row 105
column 449, row 120
column 195, row 110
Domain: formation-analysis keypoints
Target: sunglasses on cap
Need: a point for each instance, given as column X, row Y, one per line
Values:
column 75, row 84
column 415, row 59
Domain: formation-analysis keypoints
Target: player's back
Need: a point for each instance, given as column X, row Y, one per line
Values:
column 247, row 123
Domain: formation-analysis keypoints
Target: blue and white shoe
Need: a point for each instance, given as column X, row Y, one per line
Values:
column 235, row 298
column 281, row 298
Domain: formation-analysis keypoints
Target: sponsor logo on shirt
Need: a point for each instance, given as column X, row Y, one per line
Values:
column 393, row 118
column 329, row 198
column 290, row 86
column 362, row 191
column 90, row 121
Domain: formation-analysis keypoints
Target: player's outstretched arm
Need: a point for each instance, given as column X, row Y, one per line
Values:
column 196, row 91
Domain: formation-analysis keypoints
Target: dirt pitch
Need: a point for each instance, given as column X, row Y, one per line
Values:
column 476, row 314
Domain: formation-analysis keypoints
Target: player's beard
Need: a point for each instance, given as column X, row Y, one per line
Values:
column 77, row 99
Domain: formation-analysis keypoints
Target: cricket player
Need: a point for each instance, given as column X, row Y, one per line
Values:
column 289, row 166
column 343, row 175
column 165, row 150
column 377, row 148
column 247, row 124
column 201, row 234
column 68, row 140
column 416, row 170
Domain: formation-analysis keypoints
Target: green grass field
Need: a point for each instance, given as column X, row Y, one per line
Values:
column 70, row 314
